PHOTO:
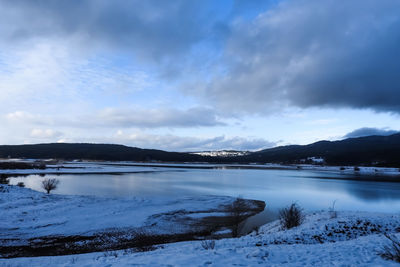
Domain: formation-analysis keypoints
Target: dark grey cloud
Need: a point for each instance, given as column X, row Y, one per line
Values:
column 370, row 131
column 152, row 29
column 312, row 53
column 303, row 53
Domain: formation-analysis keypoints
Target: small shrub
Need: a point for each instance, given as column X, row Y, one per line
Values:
column 129, row 251
column 3, row 189
column 110, row 254
column 392, row 251
column 50, row 184
column 256, row 230
column 208, row 244
column 356, row 169
column 332, row 211
column 238, row 210
column 342, row 168
column 4, row 179
column 74, row 260
column 21, row 184
column 291, row 216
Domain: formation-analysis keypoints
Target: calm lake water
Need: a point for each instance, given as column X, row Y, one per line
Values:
column 278, row 188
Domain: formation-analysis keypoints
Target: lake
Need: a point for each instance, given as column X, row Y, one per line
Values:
column 312, row 190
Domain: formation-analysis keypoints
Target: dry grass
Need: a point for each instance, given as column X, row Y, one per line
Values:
column 208, row 244
column 391, row 251
column 291, row 216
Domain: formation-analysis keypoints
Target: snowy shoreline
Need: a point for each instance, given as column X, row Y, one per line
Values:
column 32, row 221
column 90, row 167
column 30, row 218
column 350, row 239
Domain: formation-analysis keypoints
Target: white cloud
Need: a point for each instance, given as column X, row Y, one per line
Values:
column 167, row 142
column 185, row 143
column 49, row 73
column 45, row 134
column 19, row 116
column 159, row 117
column 124, row 117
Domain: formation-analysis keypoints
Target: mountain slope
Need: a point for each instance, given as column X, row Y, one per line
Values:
column 93, row 152
column 369, row 150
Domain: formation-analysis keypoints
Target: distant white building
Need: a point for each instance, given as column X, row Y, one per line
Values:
column 316, row 160
column 221, row 153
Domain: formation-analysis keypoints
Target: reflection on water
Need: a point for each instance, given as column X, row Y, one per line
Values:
column 277, row 188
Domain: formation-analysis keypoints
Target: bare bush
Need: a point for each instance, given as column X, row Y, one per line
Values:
column 238, row 210
column 110, row 254
column 4, row 179
column 392, row 251
column 332, row 211
column 291, row 216
column 208, row 244
column 256, row 230
column 50, row 184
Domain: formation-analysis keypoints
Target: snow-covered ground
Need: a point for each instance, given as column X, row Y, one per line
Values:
column 34, row 218
column 351, row 239
column 378, row 171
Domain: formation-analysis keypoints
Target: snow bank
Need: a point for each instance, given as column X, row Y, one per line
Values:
column 355, row 244
column 34, row 219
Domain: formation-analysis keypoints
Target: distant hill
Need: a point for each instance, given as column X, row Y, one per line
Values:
column 93, row 152
column 370, row 150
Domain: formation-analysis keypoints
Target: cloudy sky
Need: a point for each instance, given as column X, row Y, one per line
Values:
column 190, row 75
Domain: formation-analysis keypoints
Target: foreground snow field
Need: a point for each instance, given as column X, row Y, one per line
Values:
column 86, row 223
column 350, row 239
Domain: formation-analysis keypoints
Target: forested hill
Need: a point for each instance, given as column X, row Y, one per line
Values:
column 93, row 152
column 370, row 150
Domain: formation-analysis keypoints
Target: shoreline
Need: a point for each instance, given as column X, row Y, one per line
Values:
column 37, row 224
column 377, row 174
column 322, row 240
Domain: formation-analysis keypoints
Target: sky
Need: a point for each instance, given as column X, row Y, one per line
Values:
column 194, row 75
